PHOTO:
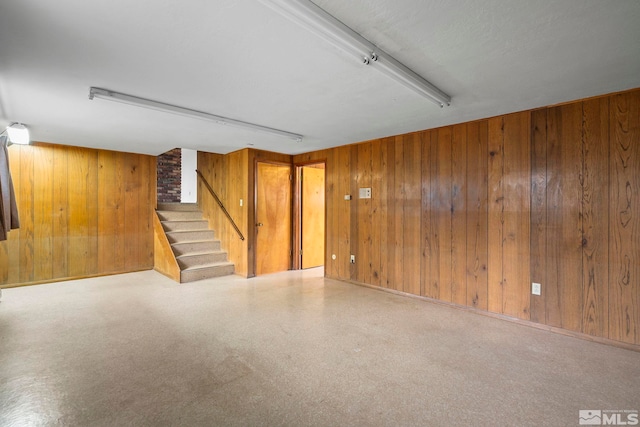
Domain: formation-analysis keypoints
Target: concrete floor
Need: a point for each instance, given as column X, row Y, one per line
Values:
column 286, row 349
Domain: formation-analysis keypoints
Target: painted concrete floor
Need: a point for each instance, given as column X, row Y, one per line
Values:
column 288, row 349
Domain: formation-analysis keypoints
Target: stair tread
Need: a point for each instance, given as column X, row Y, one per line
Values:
column 208, row 265
column 184, row 242
column 196, row 253
column 196, row 230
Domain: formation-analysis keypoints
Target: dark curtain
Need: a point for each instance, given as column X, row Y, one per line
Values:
column 8, row 208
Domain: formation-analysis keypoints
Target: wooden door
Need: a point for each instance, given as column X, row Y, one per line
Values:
column 273, row 218
column 312, row 226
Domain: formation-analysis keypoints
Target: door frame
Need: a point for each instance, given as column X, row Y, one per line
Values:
column 297, row 212
column 254, row 226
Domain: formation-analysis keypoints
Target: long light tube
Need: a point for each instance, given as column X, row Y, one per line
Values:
column 18, row 133
column 315, row 19
column 110, row 95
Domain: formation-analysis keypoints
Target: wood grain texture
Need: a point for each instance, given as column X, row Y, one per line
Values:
column 495, row 215
column 539, row 212
column 459, row 234
column 441, row 214
column 378, row 211
column 516, row 226
column 624, row 242
column 364, row 213
column 595, row 217
column 426, row 233
column 66, row 196
column 273, row 214
column 564, row 246
column 477, row 256
column 411, row 220
column 398, row 215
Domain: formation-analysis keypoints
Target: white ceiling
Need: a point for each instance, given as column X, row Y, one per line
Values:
column 240, row 59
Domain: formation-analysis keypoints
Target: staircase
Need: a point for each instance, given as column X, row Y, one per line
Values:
column 196, row 251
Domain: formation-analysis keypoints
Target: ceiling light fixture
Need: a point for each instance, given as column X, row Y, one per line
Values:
column 18, row 133
column 110, row 95
column 318, row 21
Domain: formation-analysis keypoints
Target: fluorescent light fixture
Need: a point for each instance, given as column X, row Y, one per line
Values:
column 310, row 16
column 110, row 95
column 18, row 133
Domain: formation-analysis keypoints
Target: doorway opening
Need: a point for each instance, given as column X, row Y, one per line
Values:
column 309, row 221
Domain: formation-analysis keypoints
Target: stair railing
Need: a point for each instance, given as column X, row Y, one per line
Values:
column 224, row 210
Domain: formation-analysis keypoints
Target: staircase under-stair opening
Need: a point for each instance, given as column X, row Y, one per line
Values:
column 193, row 245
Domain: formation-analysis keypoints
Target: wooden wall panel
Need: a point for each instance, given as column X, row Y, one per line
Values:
column 495, row 214
column 441, row 212
column 67, row 198
column 459, row 171
column 516, row 226
column 595, row 217
column 624, row 242
column 478, row 211
column 411, row 219
column 476, row 214
column 364, row 214
column 378, row 214
column 539, row 212
column 564, row 198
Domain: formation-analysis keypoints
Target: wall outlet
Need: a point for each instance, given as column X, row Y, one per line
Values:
column 353, row 259
column 536, row 288
column 347, row 196
column 241, row 202
column 333, row 256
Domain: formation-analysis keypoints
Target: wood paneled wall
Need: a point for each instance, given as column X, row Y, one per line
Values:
column 232, row 177
column 83, row 212
column 473, row 213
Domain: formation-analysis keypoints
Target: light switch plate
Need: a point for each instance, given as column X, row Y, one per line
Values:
column 365, row 193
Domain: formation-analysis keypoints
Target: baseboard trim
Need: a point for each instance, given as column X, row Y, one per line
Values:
column 528, row 323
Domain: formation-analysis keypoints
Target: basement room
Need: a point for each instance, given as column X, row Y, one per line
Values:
column 320, row 213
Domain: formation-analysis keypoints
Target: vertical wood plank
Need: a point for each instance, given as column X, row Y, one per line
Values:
column 43, row 222
column 564, row 199
column 331, row 229
column 398, row 201
column 344, row 210
column 595, row 217
column 476, row 221
column 411, row 215
column 107, row 226
column 495, row 214
column 354, row 179
column 433, row 280
column 131, row 197
column 426, row 232
column 458, row 214
column 376, row 211
column 516, row 231
column 60, row 214
column 364, row 217
column 624, row 243
column 79, row 214
column 539, row 211
column 119, row 214
column 442, row 211
column 391, row 214
column 383, row 213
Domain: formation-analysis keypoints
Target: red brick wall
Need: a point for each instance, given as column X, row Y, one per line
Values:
column 169, row 176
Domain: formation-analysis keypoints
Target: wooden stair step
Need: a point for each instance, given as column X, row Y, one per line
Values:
column 206, row 271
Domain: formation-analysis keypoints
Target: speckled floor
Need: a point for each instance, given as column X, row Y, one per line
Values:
column 290, row 349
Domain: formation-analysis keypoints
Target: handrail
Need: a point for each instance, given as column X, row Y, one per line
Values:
column 215, row 196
